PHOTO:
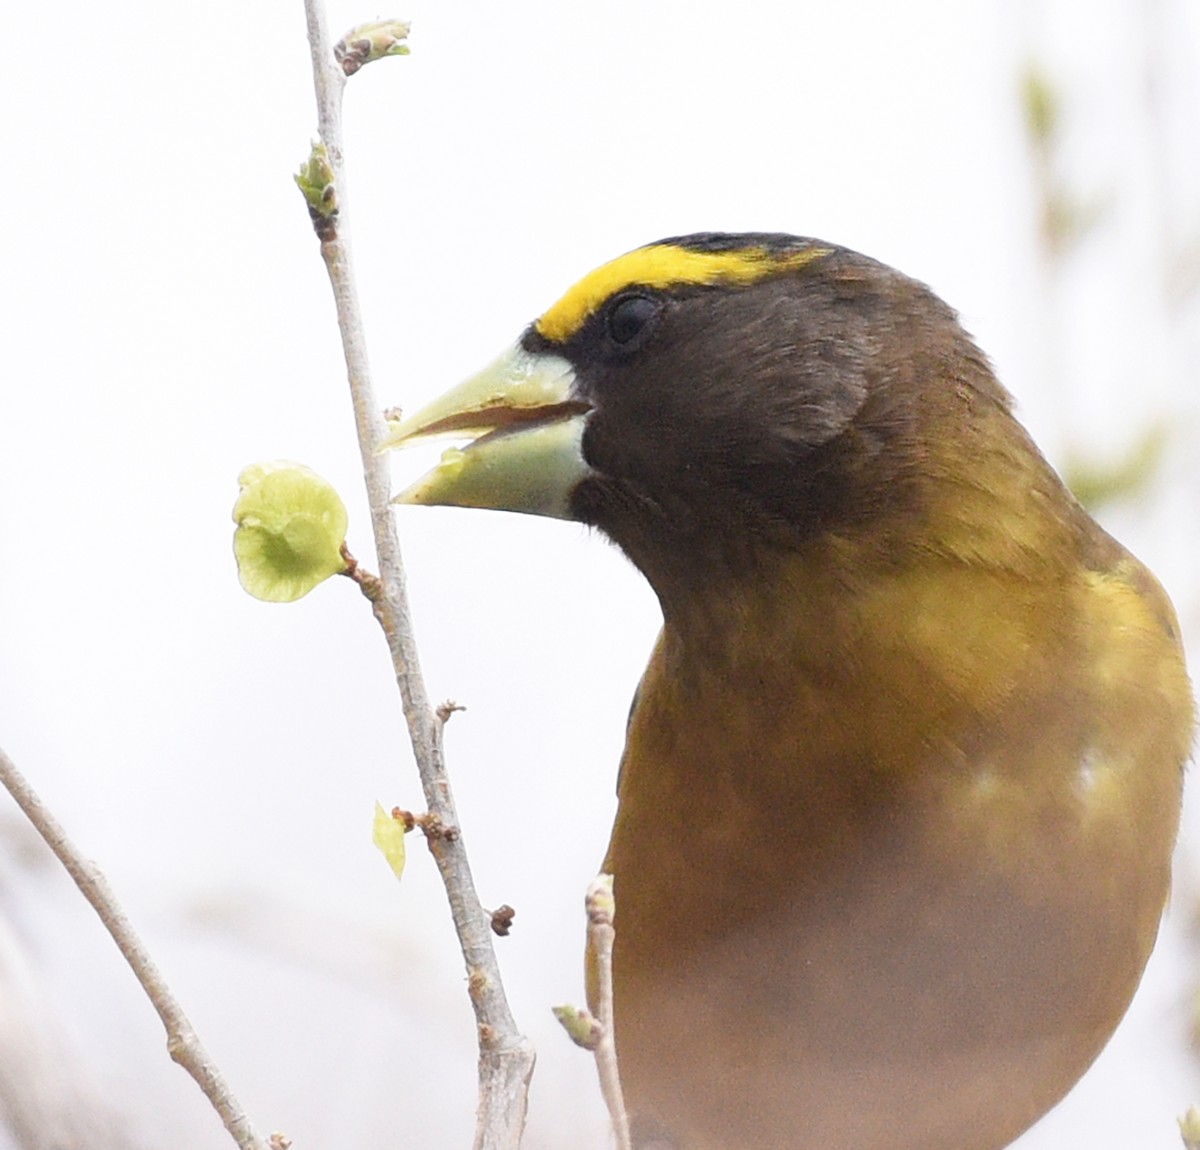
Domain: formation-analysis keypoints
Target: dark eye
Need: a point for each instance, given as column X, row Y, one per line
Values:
column 629, row 316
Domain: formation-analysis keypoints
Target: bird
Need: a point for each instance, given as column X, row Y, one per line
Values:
column 903, row 776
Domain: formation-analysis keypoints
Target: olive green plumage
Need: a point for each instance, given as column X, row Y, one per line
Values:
column 903, row 776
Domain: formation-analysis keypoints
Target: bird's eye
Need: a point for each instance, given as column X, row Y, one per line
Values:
column 629, row 316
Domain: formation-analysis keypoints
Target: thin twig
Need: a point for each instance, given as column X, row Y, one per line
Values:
column 182, row 1042
column 505, row 1056
column 601, row 909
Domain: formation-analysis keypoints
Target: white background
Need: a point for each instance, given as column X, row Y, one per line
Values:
column 165, row 320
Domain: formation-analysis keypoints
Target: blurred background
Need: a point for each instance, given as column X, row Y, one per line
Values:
column 167, row 320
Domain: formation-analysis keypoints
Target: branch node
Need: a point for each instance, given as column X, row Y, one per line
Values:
column 478, row 983
column 435, row 830
column 446, row 709
column 502, row 920
column 368, row 582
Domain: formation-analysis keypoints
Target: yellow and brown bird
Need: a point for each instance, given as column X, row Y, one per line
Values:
column 903, row 776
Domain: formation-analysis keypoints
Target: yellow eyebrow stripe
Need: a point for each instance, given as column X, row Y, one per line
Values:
column 664, row 266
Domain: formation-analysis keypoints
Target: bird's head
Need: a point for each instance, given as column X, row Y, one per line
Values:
column 709, row 398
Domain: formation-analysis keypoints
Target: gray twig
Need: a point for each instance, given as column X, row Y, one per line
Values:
column 506, row 1056
column 601, row 910
column 182, row 1042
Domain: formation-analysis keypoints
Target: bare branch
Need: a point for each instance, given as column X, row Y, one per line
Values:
column 601, row 909
column 505, row 1056
column 182, row 1042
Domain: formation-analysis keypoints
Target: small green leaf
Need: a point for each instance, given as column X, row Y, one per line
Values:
column 387, row 833
column 291, row 525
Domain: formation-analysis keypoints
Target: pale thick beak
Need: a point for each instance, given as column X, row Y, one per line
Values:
column 526, row 430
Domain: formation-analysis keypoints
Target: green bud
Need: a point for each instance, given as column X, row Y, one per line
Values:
column 582, row 1027
column 315, row 180
column 599, row 902
column 370, row 42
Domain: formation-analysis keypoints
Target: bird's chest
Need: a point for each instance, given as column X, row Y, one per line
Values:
column 772, row 791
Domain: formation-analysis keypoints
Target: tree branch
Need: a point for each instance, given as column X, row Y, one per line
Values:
column 505, row 1056
column 183, row 1044
column 601, row 909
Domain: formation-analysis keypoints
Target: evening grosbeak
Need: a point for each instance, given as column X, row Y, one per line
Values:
column 903, row 776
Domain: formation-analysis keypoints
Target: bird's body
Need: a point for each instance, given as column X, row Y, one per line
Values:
column 927, row 905
column 903, row 776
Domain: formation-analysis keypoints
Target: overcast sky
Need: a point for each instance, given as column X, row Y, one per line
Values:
column 166, row 320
